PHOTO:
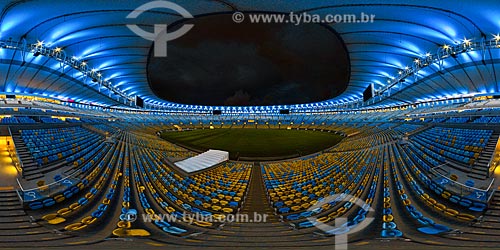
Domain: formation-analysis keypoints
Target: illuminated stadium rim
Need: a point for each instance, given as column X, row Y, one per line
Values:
column 58, row 54
column 443, row 52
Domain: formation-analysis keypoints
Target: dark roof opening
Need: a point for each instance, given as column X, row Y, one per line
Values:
column 219, row 62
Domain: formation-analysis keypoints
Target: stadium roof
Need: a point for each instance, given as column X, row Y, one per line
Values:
column 402, row 31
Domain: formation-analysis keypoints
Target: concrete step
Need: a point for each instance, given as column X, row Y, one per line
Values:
column 14, row 219
column 9, row 203
column 37, row 237
column 8, row 194
column 481, row 165
column 9, row 199
column 12, row 213
column 494, row 206
column 34, row 176
column 481, row 169
column 29, row 170
column 493, row 212
column 494, row 219
column 477, row 176
column 17, row 226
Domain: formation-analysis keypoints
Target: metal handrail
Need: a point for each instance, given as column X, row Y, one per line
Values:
column 490, row 170
column 46, row 186
column 14, row 156
column 461, row 184
column 15, row 149
column 463, row 187
column 491, row 183
column 20, row 197
column 491, row 196
column 50, row 184
column 19, row 183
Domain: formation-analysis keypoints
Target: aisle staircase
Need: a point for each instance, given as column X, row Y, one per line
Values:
column 481, row 169
column 491, row 218
column 31, row 170
column 257, row 233
column 14, row 222
column 256, row 201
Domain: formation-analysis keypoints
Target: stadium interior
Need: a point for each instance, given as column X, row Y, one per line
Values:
column 389, row 139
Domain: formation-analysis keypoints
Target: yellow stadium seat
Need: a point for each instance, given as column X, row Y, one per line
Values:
column 323, row 219
column 74, row 206
column 466, row 217
column 88, row 220
column 171, row 209
column 59, row 198
column 388, row 218
column 75, row 226
column 227, row 210
column 63, row 211
column 124, row 224
column 203, row 223
column 439, row 207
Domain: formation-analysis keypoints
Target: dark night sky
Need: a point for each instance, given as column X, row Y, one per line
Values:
column 219, row 62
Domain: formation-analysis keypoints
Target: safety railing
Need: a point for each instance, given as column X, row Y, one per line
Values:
column 47, row 190
column 14, row 155
column 493, row 162
column 461, row 189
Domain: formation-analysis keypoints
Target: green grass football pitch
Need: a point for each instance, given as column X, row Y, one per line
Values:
column 255, row 143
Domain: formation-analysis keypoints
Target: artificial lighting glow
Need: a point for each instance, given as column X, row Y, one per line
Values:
column 419, row 60
column 497, row 170
column 467, row 42
column 497, row 37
